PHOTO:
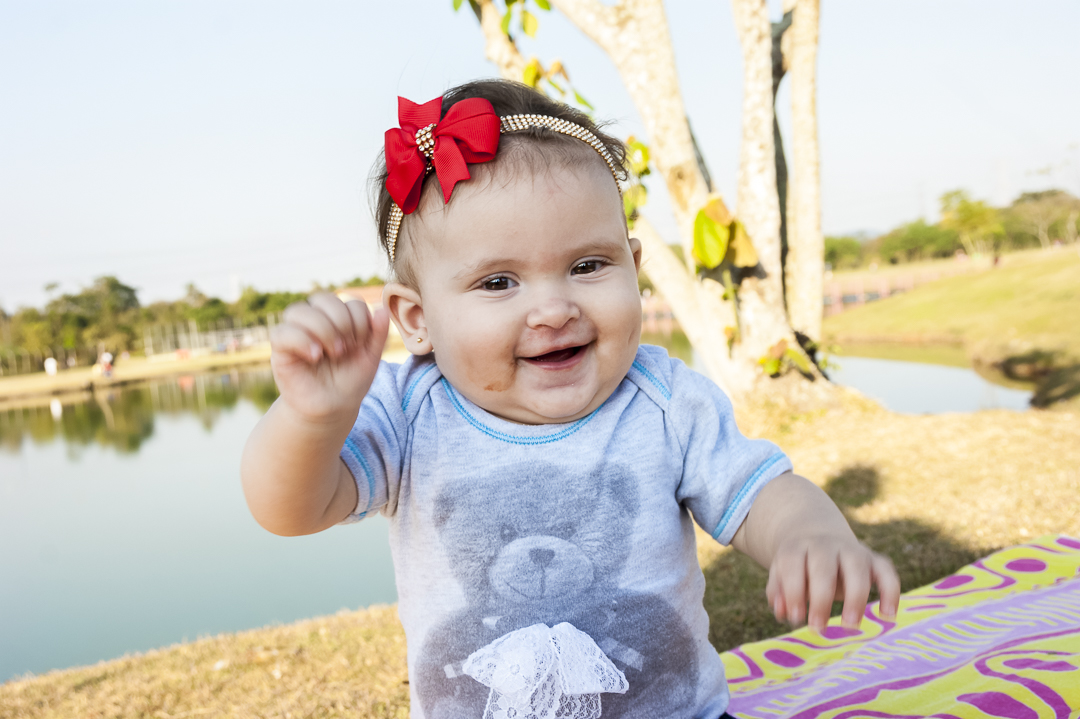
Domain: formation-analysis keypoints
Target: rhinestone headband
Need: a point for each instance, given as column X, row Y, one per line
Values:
column 510, row 123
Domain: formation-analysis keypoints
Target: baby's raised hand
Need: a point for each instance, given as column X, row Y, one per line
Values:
column 818, row 570
column 324, row 356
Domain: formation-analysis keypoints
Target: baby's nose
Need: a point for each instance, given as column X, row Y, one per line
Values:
column 542, row 557
column 553, row 312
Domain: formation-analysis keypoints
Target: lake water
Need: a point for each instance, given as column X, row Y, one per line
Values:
column 126, row 529
column 917, row 388
column 123, row 526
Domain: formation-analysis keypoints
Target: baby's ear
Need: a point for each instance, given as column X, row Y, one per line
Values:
column 635, row 250
column 407, row 312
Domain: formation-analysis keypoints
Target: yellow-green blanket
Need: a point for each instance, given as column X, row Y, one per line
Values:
column 1000, row 638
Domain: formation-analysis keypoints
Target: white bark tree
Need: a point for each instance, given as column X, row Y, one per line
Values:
column 634, row 34
column 758, row 206
column 805, row 265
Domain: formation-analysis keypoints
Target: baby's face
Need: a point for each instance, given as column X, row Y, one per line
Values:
column 529, row 296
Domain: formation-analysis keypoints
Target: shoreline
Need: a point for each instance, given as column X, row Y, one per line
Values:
column 38, row 387
column 83, row 379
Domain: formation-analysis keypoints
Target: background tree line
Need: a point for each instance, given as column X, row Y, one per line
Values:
column 1034, row 219
column 107, row 315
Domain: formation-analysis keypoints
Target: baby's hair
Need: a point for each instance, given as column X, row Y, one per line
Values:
column 506, row 98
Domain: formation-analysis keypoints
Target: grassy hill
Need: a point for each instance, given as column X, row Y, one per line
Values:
column 1032, row 298
column 1021, row 319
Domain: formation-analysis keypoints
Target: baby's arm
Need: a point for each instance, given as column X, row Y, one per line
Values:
column 795, row 530
column 324, row 357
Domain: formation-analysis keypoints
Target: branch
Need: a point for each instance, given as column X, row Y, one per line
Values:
column 498, row 47
column 591, row 17
column 699, row 308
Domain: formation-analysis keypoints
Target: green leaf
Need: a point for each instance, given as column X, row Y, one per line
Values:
column 770, row 365
column 506, row 23
column 529, row 23
column 798, row 359
column 710, row 240
column 557, row 86
column 532, row 73
column 457, row 4
column 543, row 5
column 582, row 101
column 634, row 197
column 638, row 156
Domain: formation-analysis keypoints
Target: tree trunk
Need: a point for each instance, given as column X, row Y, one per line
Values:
column 806, row 246
column 761, row 297
column 635, row 35
column 781, row 54
column 700, row 308
column 1042, row 231
column 499, row 49
column 1070, row 227
column 969, row 246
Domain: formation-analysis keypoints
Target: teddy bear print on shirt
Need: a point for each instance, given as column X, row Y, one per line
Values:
column 530, row 550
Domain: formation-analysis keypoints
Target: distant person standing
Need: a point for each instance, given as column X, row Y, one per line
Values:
column 105, row 360
column 50, row 366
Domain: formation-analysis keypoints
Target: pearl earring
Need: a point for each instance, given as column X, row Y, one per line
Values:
column 419, row 340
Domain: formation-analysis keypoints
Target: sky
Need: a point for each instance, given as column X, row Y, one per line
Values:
column 228, row 143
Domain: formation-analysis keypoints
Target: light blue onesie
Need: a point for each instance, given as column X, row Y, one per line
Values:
column 496, row 527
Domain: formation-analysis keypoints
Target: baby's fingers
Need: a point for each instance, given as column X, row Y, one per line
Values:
column 292, row 341
column 791, row 570
column 888, row 584
column 775, row 595
column 339, row 316
column 822, row 573
column 856, row 570
column 318, row 326
column 370, row 328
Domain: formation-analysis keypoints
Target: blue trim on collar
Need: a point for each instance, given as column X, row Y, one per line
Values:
column 652, row 378
column 412, row 388
column 503, row 436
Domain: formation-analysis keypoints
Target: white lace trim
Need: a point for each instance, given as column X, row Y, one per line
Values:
column 542, row 673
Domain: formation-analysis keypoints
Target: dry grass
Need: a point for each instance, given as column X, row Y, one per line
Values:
column 348, row 665
column 931, row 492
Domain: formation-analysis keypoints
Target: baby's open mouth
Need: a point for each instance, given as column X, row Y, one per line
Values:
column 558, row 355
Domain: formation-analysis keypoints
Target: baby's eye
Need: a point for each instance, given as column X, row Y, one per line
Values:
column 497, row 284
column 587, row 267
column 507, row 533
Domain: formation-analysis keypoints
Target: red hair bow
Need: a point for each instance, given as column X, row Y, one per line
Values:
column 468, row 133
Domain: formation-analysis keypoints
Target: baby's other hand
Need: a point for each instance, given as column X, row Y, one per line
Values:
column 324, row 356
column 821, row 569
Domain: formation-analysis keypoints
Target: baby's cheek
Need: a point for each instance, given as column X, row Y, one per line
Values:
column 620, row 319
column 488, row 364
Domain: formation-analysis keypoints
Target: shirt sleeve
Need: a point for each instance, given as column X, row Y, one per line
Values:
column 374, row 451
column 723, row 471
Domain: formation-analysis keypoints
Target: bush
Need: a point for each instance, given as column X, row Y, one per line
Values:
column 918, row 241
column 843, row 252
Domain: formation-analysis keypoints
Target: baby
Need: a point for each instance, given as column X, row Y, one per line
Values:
column 541, row 472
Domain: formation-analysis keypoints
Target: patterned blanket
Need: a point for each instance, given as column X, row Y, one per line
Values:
column 1000, row 638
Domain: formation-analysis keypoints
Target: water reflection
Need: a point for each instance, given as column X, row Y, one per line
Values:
column 123, row 527
column 122, row 418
